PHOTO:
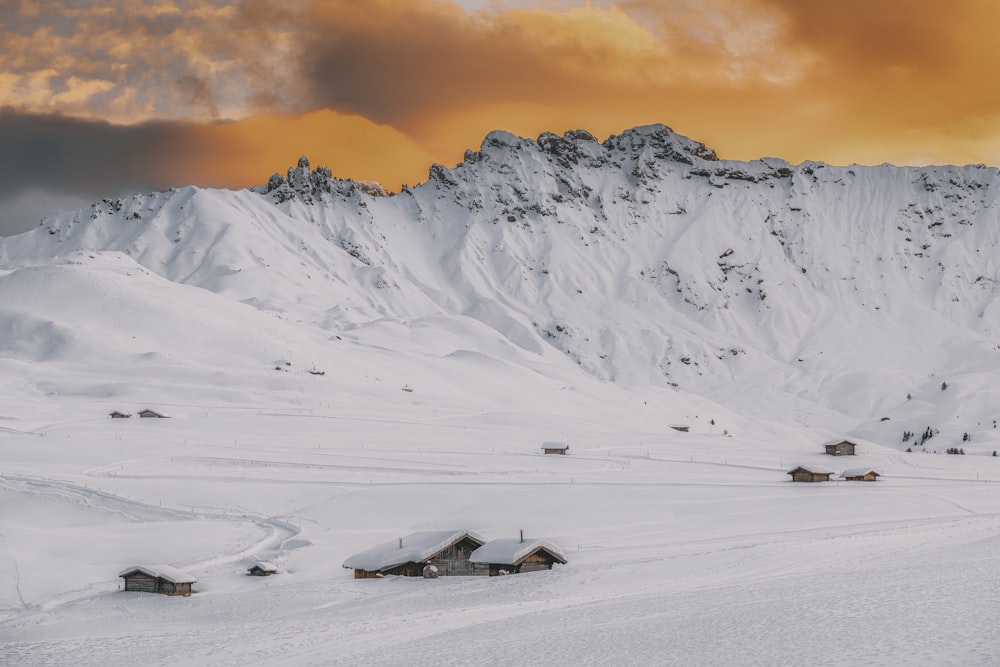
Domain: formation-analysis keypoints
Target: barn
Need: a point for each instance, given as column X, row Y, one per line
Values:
column 157, row 578
column 446, row 550
column 147, row 413
column 839, row 447
column 118, row 414
column 514, row 556
column 810, row 474
column 555, row 447
column 262, row 569
column 860, row 475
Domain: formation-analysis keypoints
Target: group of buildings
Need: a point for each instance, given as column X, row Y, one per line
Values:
column 169, row 580
column 454, row 553
column 144, row 414
column 819, row 473
column 430, row 554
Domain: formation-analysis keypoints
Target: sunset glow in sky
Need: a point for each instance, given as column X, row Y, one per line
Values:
column 100, row 98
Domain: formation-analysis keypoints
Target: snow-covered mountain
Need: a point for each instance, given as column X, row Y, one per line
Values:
column 830, row 297
column 341, row 367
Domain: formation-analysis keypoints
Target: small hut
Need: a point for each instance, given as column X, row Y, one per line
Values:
column 447, row 550
column 262, row 569
column 118, row 414
column 810, row 474
column 555, row 447
column 158, row 578
column 839, row 447
column 514, row 556
column 683, row 428
column 860, row 475
column 147, row 413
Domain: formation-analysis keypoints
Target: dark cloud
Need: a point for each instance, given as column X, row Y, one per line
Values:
column 400, row 63
column 50, row 161
column 75, row 155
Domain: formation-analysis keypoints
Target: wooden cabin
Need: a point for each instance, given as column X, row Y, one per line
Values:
column 147, row 413
column 839, row 447
column 262, row 569
column 514, row 556
column 118, row 414
column 447, row 550
column 860, row 475
column 159, row 578
column 555, row 447
column 810, row 474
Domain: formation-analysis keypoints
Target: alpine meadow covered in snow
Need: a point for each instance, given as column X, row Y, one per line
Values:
column 338, row 368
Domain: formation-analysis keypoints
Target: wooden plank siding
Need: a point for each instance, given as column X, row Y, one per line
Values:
column 802, row 475
column 844, row 448
column 141, row 583
column 454, row 561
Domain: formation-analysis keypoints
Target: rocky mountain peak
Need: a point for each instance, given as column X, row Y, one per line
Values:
column 309, row 185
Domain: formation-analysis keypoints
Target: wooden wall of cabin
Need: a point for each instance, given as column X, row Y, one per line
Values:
column 536, row 562
column 141, row 583
column 454, row 561
column 181, row 589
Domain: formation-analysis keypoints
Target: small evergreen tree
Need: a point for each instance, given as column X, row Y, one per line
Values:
column 944, row 385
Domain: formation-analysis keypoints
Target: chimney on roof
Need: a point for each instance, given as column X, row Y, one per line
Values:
column 522, row 535
column 401, row 543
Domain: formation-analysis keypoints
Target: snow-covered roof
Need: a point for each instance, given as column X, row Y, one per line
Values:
column 857, row 472
column 812, row 468
column 837, row 441
column 416, row 548
column 555, row 444
column 161, row 571
column 511, row 551
column 264, row 566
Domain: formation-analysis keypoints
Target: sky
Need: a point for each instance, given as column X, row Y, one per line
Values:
column 108, row 98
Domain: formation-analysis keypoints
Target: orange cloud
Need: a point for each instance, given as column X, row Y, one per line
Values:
column 241, row 153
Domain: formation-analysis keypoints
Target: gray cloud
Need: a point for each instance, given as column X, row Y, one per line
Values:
column 51, row 161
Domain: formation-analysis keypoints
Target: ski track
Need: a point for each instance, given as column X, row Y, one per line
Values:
column 279, row 532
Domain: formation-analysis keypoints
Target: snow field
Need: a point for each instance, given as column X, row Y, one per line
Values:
column 683, row 548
